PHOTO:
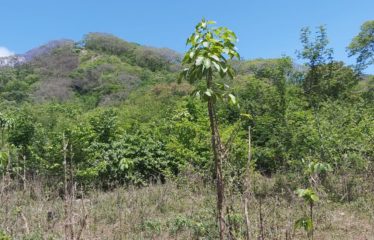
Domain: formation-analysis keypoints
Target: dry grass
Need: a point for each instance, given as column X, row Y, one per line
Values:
column 174, row 211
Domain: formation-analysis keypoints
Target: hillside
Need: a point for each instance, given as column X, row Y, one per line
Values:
column 109, row 119
column 105, row 66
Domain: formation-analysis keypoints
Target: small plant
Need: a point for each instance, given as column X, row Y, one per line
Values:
column 152, row 227
column 4, row 236
column 313, row 169
column 305, row 223
column 310, row 197
column 180, row 223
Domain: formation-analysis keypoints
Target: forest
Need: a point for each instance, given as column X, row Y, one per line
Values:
column 108, row 139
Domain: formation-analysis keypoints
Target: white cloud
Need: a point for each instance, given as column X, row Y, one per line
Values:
column 4, row 52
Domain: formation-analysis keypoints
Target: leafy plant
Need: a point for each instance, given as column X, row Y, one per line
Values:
column 306, row 223
column 310, row 197
column 316, row 169
column 4, row 236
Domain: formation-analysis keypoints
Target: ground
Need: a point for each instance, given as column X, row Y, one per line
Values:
column 175, row 210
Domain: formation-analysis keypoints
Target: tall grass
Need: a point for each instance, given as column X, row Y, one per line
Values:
column 180, row 209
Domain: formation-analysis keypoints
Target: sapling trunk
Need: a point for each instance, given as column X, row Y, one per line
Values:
column 311, row 218
column 24, row 172
column 71, row 195
column 261, row 221
column 247, row 186
column 247, row 222
column 218, row 155
column 208, row 53
column 66, row 192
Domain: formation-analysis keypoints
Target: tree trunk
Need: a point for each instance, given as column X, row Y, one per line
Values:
column 66, row 192
column 218, row 158
column 261, row 221
column 24, row 172
column 311, row 219
column 247, row 222
column 247, row 186
column 71, row 190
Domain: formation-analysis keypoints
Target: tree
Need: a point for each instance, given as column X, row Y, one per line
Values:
column 23, row 131
column 317, row 55
column 6, row 123
column 21, row 135
column 362, row 46
column 209, row 50
column 108, row 43
column 337, row 80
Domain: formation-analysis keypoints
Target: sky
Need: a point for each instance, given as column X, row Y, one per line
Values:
column 266, row 28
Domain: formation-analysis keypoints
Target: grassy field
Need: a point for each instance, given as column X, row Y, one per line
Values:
column 175, row 210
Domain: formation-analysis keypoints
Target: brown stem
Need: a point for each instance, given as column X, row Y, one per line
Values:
column 247, row 186
column 261, row 221
column 25, row 223
column 24, row 172
column 71, row 193
column 66, row 204
column 311, row 219
column 247, row 222
column 83, row 221
column 218, row 157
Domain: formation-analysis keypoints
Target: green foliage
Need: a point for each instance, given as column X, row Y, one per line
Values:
column 315, row 52
column 134, row 158
column 317, row 55
column 308, row 195
column 108, row 43
column 151, row 58
column 305, row 223
column 362, row 46
column 129, row 122
column 4, row 157
column 317, row 168
column 104, row 126
column 156, row 59
column 188, row 135
column 337, row 81
column 325, row 78
column 208, row 51
column 22, row 133
column 4, row 236
column 267, row 105
column 34, row 236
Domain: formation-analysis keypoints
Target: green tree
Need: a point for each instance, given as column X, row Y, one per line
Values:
column 5, row 124
column 209, row 50
column 337, row 80
column 362, row 46
column 325, row 79
column 104, row 125
column 21, row 136
column 23, row 131
column 317, row 54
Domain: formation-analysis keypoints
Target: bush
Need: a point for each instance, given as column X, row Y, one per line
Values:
column 4, row 236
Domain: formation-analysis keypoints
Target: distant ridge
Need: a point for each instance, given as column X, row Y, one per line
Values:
column 14, row 60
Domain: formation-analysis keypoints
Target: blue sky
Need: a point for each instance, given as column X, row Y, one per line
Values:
column 266, row 29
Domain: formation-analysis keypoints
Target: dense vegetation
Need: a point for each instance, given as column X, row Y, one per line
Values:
column 126, row 121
